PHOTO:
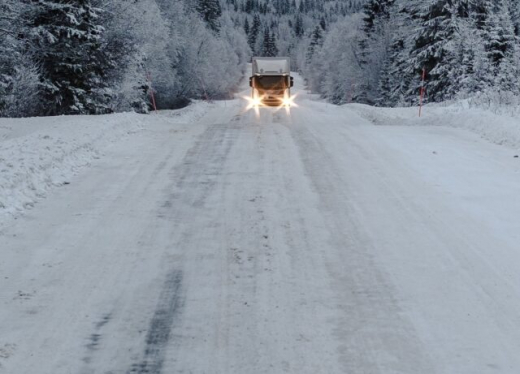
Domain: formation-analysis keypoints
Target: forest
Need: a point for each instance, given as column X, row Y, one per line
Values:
column 94, row 57
column 463, row 49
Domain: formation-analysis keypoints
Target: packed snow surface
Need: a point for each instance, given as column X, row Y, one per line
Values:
column 218, row 240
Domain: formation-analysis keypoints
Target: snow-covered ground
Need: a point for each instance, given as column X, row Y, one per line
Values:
column 38, row 154
column 502, row 129
column 215, row 240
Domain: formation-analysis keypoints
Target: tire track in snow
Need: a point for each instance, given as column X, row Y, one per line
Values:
column 193, row 180
column 95, row 340
column 373, row 330
column 159, row 333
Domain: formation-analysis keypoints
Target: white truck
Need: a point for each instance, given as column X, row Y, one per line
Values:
column 271, row 81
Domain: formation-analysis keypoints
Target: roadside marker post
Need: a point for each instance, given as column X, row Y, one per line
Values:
column 423, row 89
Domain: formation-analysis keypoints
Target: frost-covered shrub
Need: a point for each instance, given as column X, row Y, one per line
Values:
column 334, row 70
column 20, row 90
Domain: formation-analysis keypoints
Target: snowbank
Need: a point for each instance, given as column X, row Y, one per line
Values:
column 38, row 154
column 500, row 129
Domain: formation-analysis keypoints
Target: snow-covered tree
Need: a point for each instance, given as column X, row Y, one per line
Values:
column 67, row 42
column 210, row 11
column 269, row 48
column 253, row 33
column 19, row 75
column 434, row 47
column 501, row 45
column 298, row 26
column 315, row 43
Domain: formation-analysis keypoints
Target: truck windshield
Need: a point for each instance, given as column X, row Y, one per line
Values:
column 270, row 83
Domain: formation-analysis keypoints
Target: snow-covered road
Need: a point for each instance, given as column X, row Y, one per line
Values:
column 313, row 242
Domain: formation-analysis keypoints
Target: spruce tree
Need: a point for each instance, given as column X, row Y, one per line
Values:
column 434, row 47
column 298, row 26
column 269, row 48
column 316, row 41
column 473, row 69
column 12, row 57
column 393, row 83
column 323, row 24
column 66, row 38
column 274, row 48
column 503, row 48
column 375, row 12
column 514, row 11
column 253, row 33
column 210, row 11
column 498, row 31
column 8, row 49
column 249, row 7
column 246, row 26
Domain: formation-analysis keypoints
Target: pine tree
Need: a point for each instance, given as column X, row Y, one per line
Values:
column 266, row 43
column 323, row 24
column 253, row 33
column 393, row 83
column 269, row 48
column 249, row 6
column 67, row 40
column 375, row 14
column 434, row 47
column 210, row 11
column 8, row 49
column 18, row 74
column 246, row 26
column 373, row 49
column 274, row 48
column 514, row 10
column 498, row 33
column 472, row 71
column 298, row 26
column 316, row 41
column 503, row 48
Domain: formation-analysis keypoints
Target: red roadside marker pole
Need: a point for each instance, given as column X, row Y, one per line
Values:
column 423, row 89
column 152, row 96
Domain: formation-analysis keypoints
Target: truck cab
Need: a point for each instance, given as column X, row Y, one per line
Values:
column 271, row 81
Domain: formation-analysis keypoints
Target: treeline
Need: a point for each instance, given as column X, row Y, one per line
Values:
column 466, row 48
column 285, row 27
column 94, row 56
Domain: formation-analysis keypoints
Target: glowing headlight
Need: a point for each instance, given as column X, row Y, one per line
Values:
column 287, row 101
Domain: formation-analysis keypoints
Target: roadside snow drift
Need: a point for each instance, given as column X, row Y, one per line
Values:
column 37, row 154
column 501, row 129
